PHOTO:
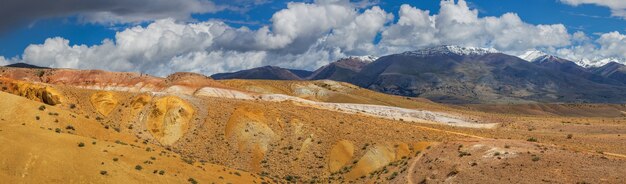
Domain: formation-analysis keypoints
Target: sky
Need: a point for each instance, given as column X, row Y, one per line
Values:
column 160, row 37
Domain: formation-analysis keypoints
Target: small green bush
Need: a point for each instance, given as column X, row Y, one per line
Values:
column 192, row 181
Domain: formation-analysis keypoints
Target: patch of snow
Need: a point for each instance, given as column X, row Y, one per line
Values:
column 452, row 49
column 365, row 59
column 532, row 55
column 598, row 62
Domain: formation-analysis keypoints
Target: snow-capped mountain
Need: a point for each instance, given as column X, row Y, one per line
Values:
column 451, row 49
column 532, row 55
column 598, row 62
column 365, row 59
column 539, row 56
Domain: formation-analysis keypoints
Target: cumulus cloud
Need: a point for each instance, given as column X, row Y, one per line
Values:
column 618, row 7
column 4, row 61
column 457, row 24
column 307, row 36
column 303, row 35
column 103, row 11
column 608, row 47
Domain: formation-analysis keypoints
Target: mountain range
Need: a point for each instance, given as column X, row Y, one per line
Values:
column 454, row 74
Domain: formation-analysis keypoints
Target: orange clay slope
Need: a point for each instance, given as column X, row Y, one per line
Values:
column 286, row 131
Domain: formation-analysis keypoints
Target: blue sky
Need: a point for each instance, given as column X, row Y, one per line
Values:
column 590, row 22
column 588, row 18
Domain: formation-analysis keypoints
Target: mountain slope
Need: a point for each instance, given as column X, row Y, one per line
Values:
column 342, row 70
column 613, row 71
column 195, row 129
column 266, row 72
column 567, row 66
column 24, row 65
column 470, row 75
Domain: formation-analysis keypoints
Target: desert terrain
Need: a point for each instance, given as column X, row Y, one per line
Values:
column 89, row 126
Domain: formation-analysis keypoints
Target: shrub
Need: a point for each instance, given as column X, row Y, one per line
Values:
column 81, row 144
column 569, row 136
column 290, row 178
column 532, row 139
column 536, row 158
column 161, row 172
column 463, row 153
column 115, row 159
column 40, row 73
column 72, row 106
column 138, row 167
column 57, row 130
column 192, row 181
column 103, row 172
column 42, row 107
column 69, row 127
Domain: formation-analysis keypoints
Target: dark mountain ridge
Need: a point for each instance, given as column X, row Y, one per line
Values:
column 452, row 74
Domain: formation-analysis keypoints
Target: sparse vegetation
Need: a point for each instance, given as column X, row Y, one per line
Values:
column 192, row 181
column 569, row 136
column 40, row 73
column 535, row 158
column 463, row 153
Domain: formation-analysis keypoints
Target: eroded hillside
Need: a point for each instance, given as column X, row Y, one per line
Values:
column 134, row 126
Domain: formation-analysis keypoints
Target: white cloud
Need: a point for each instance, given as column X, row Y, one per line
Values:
column 106, row 11
column 3, row 61
column 608, row 47
column 307, row 36
column 457, row 24
column 618, row 7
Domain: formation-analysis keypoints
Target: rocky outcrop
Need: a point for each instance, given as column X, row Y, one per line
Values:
column 169, row 119
column 32, row 91
column 104, row 102
column 340, row 155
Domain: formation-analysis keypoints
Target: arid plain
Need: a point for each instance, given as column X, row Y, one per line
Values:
column 107, row 127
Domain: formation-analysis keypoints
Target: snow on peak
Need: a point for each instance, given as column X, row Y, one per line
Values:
column 532, row 55
column 452, row 49
column 365, row 59
column 598, row 62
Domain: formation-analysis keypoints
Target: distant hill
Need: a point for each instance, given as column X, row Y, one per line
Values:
column 472, row 75
column 454, row 74
column 266, row 72
column 613, row 71
column 342, row 70
column 567, row 66
column 301, row 73
column 25, row 65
